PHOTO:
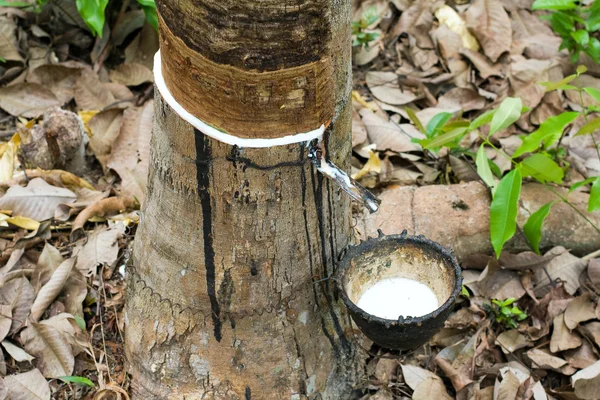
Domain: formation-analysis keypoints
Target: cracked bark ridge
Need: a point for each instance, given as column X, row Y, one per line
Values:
column 227, row 294
column 252, row 69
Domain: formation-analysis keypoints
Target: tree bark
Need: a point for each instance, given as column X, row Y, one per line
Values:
column 228, row 296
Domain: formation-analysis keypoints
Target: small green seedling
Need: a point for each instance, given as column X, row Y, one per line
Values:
column 506, row 313
column 465, row 292
column 577, row 23
column 360, row 36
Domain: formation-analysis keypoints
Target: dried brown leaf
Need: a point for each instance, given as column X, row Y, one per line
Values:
column 461, row 98
column 384, row 86
column 385, row 134
column 582, row 357
column 498, row 283
column 28, row 386
column 526, row 260
column 53, row 352
column 27, row 99
column 386, row 369
column 142, row 49
column 130, row 155
column 105, row 127
column 463, row 169
column 485, row 67
column 131, row 74
column 17, row 353
column 59, row 79
column 8, row 40
column 101, row 247
column 587, row 382
column 591, row 331
column 50, row 290
column 490, row 24
column 74, row 293
column 562, row 338
column 431, row 388
column 593, row 272
column 359, row 132
column 508, row 387
column 49, row 260
column 512, row 340
column 37, row 200
column 414, row 376
column 91, row 94
column 416, row 21
column 459, row 380
column 5, row 320
column 565, row 267
column 20, row 295
column 581, row 309
column 545, row 360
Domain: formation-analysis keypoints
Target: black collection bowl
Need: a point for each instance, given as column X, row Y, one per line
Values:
column 399, row 256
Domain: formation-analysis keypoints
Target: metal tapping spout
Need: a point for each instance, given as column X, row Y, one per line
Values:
column 358, row 192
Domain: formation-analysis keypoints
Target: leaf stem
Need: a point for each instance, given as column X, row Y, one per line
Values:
column 580, row 91
column 566, row 200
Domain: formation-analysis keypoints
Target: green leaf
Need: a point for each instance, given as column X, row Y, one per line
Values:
column 415, row 120
column 483, row 119
column 563, row 24
column 590, row 127
column 92, row 12
column 593, row 49
column 522, row 316
column 508, row 301
column 533, row 227
column 436, row 123
column 581, row 69
column 548, row 129
column 450, row 126
column 465, row 292
column 543, row 168
column 495, row 169
column 582, row 37
column 516, row 310
column 504, row 209
column 577, row 185
column 447, row 138
column 15, row 4
column 77, row 379
column 594, row 201
column 550, row 86
column 595, row 93
column 508, row 112
column 80, row 322
column 554, row 5
column 483, row 169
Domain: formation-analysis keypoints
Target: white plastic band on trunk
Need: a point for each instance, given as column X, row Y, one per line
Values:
column 220, row 135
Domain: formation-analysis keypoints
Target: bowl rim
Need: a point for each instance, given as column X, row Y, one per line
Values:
column 402, row 238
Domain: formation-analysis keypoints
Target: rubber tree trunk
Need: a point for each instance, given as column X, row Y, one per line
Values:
column 227, row 294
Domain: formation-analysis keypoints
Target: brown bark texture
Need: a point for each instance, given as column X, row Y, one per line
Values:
column 228, row 296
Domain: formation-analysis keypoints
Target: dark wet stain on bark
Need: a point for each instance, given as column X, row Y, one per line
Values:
column 310, row 253
column 203, row 155
column 318, row 197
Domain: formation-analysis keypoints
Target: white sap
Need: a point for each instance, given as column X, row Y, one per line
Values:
column 394, row 297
